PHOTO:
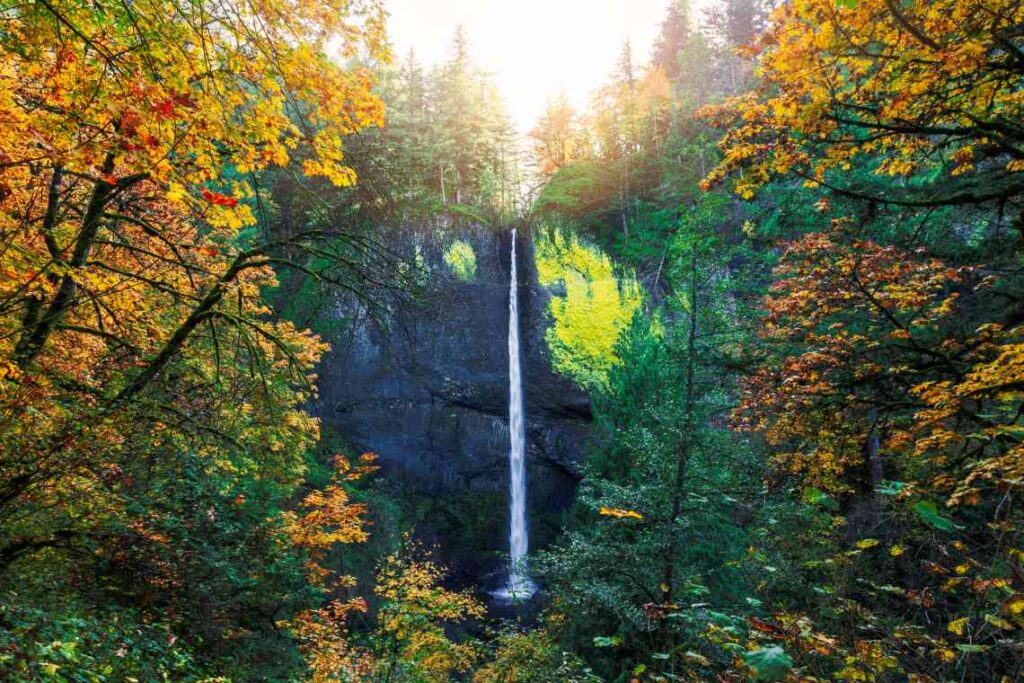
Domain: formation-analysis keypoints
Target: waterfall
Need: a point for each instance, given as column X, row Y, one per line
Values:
column 519, row 587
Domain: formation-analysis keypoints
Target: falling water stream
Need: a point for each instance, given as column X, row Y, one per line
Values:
column 519, row 586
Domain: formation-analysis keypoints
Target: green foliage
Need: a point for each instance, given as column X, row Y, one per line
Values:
column 769, row 664
column 607, row 641
column 929, row 512
column 651, row 581
column 566, row 192
column 533, row 656
column 76, row 642
column 460, row 257
column 591, row 309
column 816, row 496
column 695, row 551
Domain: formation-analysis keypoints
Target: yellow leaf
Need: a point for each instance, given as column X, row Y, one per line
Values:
column 957, row 626
column 1015, row 606
column 176, row 192
column 619, row 512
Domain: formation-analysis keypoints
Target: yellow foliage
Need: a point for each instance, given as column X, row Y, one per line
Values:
column 958, row 626
column 807, row 403
column 125, row 129
column 593, row 311
column 329, row 516
column 918, row 84
column 414, row 609
column 620, row 513
column 325, row 644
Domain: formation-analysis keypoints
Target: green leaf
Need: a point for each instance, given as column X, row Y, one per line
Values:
column 607, row 641
column 814, row 496
column 970, row 647
column 929, row 512
column 999, row 622
column 770, row 663
column 848, row 4
column 891, row 488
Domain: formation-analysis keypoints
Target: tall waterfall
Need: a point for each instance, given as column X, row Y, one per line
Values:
column 519, row 586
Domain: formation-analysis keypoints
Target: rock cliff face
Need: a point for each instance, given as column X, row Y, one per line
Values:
column 429, row 393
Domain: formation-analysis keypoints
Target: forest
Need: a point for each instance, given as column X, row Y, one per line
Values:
column 256, row 267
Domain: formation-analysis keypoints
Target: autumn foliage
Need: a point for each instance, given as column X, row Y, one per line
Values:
column 802, row 224
column 923, row 90
column 862, row 322
column 888, row 383
column 136, row 342
column 132, row 310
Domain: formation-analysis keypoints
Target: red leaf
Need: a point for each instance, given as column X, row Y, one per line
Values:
column 184, row 101
column 219, row 199
column 129, row 123
column 165, row 109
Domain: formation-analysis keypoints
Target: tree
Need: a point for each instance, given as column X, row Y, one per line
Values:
column 532, row 656
column 411, row 640
column 330, row 518
column 130, row 132
column 655, row 545
column 852, row 521
column 673, row 38
column 147, row 390
column 859, row 325
column 736, row 23
column 919, row 91
column 557, row 137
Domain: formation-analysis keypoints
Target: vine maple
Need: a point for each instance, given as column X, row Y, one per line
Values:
column 858, row 327
column 923, row 90
column 412, row 615
column 131, row 299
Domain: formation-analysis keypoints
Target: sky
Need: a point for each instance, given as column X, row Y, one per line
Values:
column 534, row 49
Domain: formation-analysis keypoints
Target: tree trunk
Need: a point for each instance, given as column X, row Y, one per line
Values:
column 689, row 426
column 440, row 175
column 36, row 332
column 872, row 449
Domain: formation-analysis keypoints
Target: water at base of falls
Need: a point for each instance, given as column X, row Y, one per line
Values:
column 519, row 587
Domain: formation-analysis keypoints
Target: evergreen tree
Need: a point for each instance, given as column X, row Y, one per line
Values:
column 673, row 38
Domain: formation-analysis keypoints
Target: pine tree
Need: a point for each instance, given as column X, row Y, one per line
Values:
column 673, row 39
column 625, row 73
column 736, row 22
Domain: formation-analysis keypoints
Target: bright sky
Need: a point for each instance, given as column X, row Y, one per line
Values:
column 535, row 49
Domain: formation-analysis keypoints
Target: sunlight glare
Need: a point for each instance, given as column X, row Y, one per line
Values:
column 535, row 49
